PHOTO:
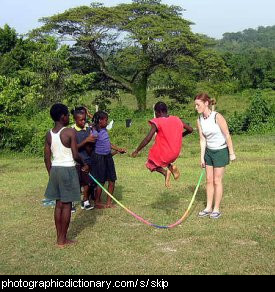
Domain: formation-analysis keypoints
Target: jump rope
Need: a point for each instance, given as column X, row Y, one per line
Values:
column 145, row 221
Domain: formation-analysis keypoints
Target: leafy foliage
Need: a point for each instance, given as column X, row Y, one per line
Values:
column 262, row 37
column 257, row 118
column 8, row 39
column 128, row 42
column 128, row 48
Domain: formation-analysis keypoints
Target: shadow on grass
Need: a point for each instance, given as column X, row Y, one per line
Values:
column 117, row 193
column 201, row 195
column 82, row 220
column 86, row 219
column 168, row 200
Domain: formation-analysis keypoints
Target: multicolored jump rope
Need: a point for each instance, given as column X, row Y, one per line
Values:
column 145, row 221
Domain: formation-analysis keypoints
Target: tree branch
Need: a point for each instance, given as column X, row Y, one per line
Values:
column 124, row 83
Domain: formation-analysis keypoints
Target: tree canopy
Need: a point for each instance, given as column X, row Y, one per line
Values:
column 129, row 42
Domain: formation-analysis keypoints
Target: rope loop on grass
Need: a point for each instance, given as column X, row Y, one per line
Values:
column 145, row 221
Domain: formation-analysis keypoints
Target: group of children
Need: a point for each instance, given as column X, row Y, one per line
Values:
column 89, row 146
column 95, row 148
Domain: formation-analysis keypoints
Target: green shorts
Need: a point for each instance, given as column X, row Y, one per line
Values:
column 217, row 158
column 63, row 184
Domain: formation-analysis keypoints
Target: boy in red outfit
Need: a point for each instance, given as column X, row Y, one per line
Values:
column 168, row 142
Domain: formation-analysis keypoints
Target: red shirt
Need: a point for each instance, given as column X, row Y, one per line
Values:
column 168, row 142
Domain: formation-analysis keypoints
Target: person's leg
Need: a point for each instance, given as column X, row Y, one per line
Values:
column 86, row 195
column 167, row 175
column 218, row 187
column 98, row 203
column 65, row 218
column 57, row 219
column 209, row 187
column 111, row 187
column 174, row 170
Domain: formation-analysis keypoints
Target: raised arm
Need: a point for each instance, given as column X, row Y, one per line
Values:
column 146, row 140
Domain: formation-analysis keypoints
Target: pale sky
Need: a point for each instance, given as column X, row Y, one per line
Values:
column 211, row 17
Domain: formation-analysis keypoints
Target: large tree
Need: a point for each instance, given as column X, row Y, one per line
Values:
column 128, row 42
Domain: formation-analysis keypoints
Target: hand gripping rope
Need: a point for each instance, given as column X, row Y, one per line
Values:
column 145, row 221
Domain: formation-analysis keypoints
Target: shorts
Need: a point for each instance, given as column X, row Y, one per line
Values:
column 63, row 184
column 151, row 165
column 103, row 168
column 217, row 158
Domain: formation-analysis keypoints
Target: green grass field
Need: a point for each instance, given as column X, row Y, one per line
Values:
column 113, row 242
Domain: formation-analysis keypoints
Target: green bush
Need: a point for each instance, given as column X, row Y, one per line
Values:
column 42, row 124
column 121, row 113
column 129, row 137
column 258, row 112
column 236, row 123
column 16, row 134
column 216, row 89
column 25, row 134
column 259, row 117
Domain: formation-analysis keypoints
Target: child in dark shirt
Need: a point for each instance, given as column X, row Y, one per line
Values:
column 85, row 143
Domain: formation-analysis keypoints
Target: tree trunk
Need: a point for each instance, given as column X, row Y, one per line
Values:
column 140, row 91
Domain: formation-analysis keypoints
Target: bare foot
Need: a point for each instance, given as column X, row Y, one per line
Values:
column 175, row 171
column 110, row 206
column 99, row 206
column 167, row 178
column 67, row 242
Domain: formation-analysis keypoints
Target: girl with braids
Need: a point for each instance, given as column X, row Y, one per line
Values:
column 216, row 151
column 103, row 164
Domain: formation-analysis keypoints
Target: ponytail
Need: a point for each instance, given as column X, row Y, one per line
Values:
column 213, row 102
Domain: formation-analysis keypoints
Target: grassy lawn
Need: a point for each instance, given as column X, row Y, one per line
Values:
column 113, row 242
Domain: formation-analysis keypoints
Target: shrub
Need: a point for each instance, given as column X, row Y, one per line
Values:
column 121, row 113
column 16, row 134
column 236, row 123
column 258, row 112
column 259, row 117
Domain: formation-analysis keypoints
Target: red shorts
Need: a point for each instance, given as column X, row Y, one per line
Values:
column 151, row 165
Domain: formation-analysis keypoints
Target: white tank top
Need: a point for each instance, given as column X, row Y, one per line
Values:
column 214, row 137
column 62, row 156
